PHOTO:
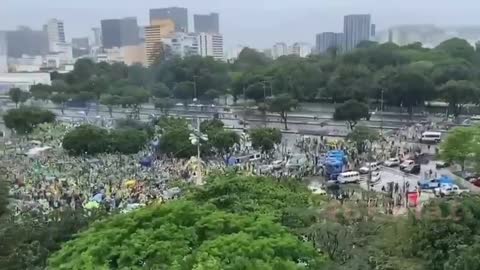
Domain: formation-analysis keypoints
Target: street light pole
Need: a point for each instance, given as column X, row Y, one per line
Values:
column 381, row 111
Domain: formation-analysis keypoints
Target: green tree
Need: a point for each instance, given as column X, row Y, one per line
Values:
column 60, row 99
column 41, row 91
column 223, row 142
column 351, row 111
column 360, row 135
column 164, row 105
column 175, row 139
column 458, row 93
column 283, row 104
column 127, row 140
column 184, row 91
column 211, row 126
column 160, row 90
column 265, row 139
column 25, row 119
column 110, row 101
column 460, row 145
column 86, row 139
column 225, row 240
column 457, row 48
column 4, row 197
column 18, row 96
column 409, row 89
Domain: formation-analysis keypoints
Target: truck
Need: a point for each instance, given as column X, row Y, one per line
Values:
column 448, row 190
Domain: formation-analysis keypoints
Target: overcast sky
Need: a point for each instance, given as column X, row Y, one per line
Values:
column 257, row 23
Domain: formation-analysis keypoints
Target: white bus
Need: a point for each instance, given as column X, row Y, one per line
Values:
column 431, row 137
column 349, row 177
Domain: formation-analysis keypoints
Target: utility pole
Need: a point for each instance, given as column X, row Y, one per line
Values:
column 244, row 108
column 381, row 111
column 195, row 88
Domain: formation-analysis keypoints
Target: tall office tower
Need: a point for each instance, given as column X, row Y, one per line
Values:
column 279, row 49
column 328, row 40
column 211, row 45
column 373, row 31
column 177, row 14
column 3, row 53
column 26, row 41
column 119, row 32
column 55, row 32
column 208, row 23
column 357, row 28
column 129, row 31
column 154, row 35
column 97, row 37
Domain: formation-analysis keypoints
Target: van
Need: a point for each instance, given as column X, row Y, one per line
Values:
column 431, row 137
column 349, row 177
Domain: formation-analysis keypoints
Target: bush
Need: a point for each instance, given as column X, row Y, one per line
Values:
column 25, row 119
column 88, row 139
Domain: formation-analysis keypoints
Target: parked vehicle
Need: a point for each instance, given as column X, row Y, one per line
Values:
column 431, row 137
column 392, row 162
column 375, row 177
column 413, row 169
column 374, row 166
column 449, row 189
column 349, row 177
column 406, row 163
column 441, row 164
column 435, row 183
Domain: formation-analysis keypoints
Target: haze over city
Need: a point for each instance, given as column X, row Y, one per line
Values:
column 254, row 23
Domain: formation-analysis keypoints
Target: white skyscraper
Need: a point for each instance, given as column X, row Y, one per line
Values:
column 210, row 44
column 3, row 53
column 279, row 49
column 97, row 37
column 357, row 28
column 55, row 32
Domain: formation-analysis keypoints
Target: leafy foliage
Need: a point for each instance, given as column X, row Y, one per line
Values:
column 24, row 119
column 351, row 111
column 183, row 235
column 265, row 139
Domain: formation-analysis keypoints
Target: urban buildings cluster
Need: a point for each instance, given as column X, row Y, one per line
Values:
column 115, row 40
column 356, row 28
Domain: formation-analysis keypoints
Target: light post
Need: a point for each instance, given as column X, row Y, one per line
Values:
column 195, row 98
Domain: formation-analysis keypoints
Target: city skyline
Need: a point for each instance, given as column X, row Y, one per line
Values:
column 288, row 21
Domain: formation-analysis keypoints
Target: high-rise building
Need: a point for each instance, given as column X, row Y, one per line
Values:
column 328, row 40
column 373, row 31
column 154, row 35
column 177, row 14
column 301, row 49
column 119, row 32
column 182, row 44
column 357, row 28
column 80, row 43
column 208, row 23
column 211, row 45
column 3, row 53
column 55, row 32
column 129, row 31
column 97, row 37
column 279, row 49
column 25, row 41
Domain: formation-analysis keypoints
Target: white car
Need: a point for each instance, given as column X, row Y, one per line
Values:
column 366, row 169
column 392, row 162
column 317, row 190
column 447, row 190
column 406, row 163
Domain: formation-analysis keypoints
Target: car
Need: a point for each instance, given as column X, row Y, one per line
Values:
column 317, row 190
column 406, row 163
column 449, row 189
column 392, row 162
column 412, row 169
column 435, row 183
column 374, row 166
column 441, row 164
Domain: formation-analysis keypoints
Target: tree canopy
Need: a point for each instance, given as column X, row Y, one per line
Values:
column 25, row 119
